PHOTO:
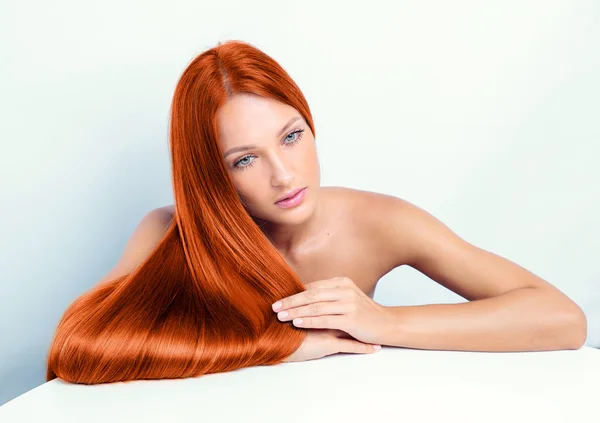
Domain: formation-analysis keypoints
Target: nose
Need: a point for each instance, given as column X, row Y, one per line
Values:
column 281, row 174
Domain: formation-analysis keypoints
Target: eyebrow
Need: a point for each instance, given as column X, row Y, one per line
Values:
column 248, row 147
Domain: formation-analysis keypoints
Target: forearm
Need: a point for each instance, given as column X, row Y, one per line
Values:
column 527, row 319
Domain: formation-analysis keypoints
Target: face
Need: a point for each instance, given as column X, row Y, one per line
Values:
column 269, row 150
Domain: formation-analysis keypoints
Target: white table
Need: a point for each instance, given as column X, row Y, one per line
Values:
column 395, row 384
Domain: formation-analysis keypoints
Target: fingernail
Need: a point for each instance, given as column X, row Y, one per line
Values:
column 277, row 305
column 377, row 347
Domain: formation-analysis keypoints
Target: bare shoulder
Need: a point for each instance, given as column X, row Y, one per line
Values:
column 156, row 222
column 364, row 209
column 165, row 213
column 344, row 198
column 153, row 226
column 368, row 203
column 373, row 214
column 403, row 233
column 144, row 239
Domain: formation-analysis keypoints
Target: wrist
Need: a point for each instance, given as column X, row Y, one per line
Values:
column 390, row 327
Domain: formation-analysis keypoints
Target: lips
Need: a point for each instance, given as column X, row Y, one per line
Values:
column 290, row 194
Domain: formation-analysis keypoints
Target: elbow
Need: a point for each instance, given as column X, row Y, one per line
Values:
column 569, row 322
column 575, row 329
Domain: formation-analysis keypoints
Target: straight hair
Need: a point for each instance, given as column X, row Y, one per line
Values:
column 200, row 302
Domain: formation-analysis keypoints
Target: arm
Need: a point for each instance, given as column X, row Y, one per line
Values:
column 508, row 309
column 526, row 319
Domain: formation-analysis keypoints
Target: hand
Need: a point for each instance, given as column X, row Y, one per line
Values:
column 321, row 342
column 336, row 303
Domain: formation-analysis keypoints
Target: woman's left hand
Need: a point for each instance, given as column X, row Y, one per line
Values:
column 336, row 303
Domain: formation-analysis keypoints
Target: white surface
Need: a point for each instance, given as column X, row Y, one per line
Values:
column 395, row 384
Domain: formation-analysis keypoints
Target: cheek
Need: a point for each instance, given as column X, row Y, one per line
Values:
column 311, row 159
column 244, row 191
column 249, row 191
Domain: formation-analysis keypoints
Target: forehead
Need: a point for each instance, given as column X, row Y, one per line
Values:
column 248, row 118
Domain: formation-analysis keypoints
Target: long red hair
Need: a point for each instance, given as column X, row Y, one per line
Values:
column 201, row 301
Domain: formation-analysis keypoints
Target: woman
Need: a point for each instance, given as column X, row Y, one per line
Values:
column 196, row 287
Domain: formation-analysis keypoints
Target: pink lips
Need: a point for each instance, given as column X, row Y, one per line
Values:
column 292, row 201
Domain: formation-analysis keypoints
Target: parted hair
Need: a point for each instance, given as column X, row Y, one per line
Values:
column 200, row 302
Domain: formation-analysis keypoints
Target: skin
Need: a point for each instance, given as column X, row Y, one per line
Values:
column 273, row 168
column 321, row 257
column 307, row 236
column 341, row 241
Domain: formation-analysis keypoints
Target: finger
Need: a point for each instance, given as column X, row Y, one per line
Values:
column 315, row 309
column 342, row 334
column 309, row 296
column 336, row 321
column 356, row 347
column 335, row 332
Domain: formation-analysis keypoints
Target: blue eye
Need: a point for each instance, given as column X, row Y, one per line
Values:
column 287, row 141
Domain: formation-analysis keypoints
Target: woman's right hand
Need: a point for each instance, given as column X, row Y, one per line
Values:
column 321, row 342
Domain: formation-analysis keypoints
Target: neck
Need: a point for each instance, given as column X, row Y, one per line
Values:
column 289, row 239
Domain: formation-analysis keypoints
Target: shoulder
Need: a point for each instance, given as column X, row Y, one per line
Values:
column 369, row 204
column 396, row 230
column 166, row 211
column 367, row 214
column 144, row 239
column 345, row 199
column 150, row 231
column 154, row 225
